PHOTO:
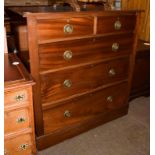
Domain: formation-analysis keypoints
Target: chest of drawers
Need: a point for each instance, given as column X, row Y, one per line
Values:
column 19, row 137
column 82, row 63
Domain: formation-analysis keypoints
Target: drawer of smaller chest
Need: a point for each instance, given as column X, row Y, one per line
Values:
column 20, row 96
column 15, row 120
column 20, row 145
column 84, row 107
column 67, row 53
column 110, row 24
column 65, row 83
column 62, row 28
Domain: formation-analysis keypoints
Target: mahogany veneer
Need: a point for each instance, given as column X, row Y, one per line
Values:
column 19, row 136
column 82, row 63
column 141, row 75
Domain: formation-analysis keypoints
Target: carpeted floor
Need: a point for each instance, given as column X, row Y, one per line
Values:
column 128, row 135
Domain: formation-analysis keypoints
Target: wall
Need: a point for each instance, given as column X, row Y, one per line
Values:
column 144, row 33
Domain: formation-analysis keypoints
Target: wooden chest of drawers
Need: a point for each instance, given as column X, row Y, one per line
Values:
column 141, row 77
column 19, row 135
column 82, row 63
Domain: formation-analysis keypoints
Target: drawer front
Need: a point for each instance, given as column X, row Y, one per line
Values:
column 84, row 108
column 62, row 28
column 19, row 120
column 20, row 145
column 66, row 53
column 58, row 85
column 16, row 97
column 110, row 24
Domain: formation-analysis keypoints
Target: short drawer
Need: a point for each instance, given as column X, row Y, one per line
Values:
column 84, row 107
column 19, row 120
column 110, row 24
column 65, row 83
column 62, row 28
column 67, row 53
column 20, row 145
column 16, row 97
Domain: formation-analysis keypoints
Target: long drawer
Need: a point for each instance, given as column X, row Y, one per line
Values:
column 112, row 24
column 61, row 84
column 84, row 108
column 20, row 145
column 62, row 28
column 19, row 120
column 67, row 53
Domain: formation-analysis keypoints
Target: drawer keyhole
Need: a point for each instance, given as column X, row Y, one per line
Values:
column 20, row 97
column 21, row 120
column 23, row 146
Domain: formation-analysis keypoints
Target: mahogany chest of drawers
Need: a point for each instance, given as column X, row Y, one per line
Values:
column 82, row 63
column 19, row 137
column 141, row 75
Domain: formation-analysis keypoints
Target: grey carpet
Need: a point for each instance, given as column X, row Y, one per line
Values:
column 128, row 135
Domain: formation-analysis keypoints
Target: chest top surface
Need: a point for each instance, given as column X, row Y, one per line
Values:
column 15, row 74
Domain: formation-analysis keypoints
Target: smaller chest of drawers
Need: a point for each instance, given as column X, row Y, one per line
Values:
column 19, row 137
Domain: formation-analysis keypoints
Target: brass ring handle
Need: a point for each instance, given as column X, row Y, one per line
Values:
column 67, row 83
column 68, row 29
column 20, row 97
column 23, row 146
column 67, row 114
column 68, row 55
column 115, row 47
column 117, row 25
column 112, row 72
column 110, row 99
column 20, row 120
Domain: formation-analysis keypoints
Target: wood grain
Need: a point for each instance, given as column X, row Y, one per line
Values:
column 13, row 116
column 90, row 42
column 34, row 67
column 52, row 57
column 106, row 24
column 61, row 135
column 141, row 77
column 17, row 142
column 83, row 79
column 81, row 109
column 18, row 105
column 144, row 32
column 51, row 29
